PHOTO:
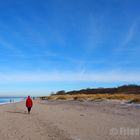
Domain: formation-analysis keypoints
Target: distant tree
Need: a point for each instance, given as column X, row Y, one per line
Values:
column 61, row 92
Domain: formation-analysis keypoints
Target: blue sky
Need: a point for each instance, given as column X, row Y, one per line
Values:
column 50, row 45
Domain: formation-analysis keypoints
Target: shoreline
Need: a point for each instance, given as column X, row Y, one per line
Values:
column 11, row 101
column 7, row 103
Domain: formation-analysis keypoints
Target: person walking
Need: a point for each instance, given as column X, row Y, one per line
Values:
column 29, row 104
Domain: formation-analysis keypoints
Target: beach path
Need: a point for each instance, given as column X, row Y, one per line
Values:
column 68, row 120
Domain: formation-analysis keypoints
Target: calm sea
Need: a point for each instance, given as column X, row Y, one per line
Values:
column 6, row 100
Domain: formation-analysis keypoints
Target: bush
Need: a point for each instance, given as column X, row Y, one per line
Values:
column 136, row 100
column 61, row 92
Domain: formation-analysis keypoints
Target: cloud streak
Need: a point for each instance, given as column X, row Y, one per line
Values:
column 130, row 35
column 71, row 77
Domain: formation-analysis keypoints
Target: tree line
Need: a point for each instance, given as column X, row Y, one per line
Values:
column 127, row 89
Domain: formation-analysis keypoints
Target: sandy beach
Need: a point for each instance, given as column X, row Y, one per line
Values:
column 70, row 120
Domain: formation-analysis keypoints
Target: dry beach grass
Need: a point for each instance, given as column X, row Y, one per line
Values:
column 92, row 97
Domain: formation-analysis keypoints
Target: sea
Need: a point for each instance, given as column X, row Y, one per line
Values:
column 7, row 100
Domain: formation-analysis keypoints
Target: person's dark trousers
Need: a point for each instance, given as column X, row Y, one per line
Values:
column 29, row 109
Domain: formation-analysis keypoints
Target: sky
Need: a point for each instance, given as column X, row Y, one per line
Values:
column 51, row 45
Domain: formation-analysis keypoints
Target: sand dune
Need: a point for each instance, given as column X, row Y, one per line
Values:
column 70, row 120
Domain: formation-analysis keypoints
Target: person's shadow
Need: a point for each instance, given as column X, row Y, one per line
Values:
column 18, row 112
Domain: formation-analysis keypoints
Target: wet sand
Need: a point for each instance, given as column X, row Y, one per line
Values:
column 70, row 120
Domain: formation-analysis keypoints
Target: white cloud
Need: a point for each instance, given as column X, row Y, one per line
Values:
column 71, row 77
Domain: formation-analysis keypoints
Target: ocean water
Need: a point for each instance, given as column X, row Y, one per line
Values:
column 7, row 100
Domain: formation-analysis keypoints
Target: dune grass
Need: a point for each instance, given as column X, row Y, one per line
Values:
column 92, row 97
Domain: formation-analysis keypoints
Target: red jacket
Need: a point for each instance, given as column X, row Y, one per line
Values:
column 29, row 102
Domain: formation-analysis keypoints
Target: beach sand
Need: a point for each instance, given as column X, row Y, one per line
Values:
column 70, row 120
